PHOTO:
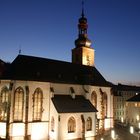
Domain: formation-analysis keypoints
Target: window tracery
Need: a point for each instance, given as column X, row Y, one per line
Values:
column 18, row 104
column 37, row 104
column 3, row 103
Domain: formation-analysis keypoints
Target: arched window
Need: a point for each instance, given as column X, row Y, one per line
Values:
column 52, row 124
column 94, row 98
column 3, row 103
column 18, row 104
column 37, row 104
column 89, row 124
column 71, row 125
column 105, row 103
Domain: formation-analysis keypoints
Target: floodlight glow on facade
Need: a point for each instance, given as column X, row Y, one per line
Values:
column 131, row 129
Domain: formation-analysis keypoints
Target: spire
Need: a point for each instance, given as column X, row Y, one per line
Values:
column 82, row 29
column 83, row 53
column 82, row 22
column 82, row 8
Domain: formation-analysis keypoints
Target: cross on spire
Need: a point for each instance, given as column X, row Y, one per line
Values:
column 19, row 49
column 82, row 8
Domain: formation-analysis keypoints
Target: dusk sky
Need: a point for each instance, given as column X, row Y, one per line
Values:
column 48, row 28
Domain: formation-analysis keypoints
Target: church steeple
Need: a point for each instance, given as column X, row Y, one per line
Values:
column 82, row 22
column 82, row 27
column 83, row 53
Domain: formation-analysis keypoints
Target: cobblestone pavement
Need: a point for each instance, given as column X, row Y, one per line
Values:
column 121, row 134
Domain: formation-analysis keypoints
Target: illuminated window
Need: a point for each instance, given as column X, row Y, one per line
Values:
column 37, row 104
column 52, row 124
column 136, row 105
column 18, row 104
column 94, row 98
column 71, row 125
column 137, row 118
column 89, row 124
column 105, row 103
column 3, row 103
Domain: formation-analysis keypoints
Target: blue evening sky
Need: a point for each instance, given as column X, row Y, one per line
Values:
column 48, row 28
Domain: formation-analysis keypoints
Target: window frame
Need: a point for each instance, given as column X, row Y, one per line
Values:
column 71, row 125
column 89, row 124
column 18, row 101
column 37, row 104
column 4, row 103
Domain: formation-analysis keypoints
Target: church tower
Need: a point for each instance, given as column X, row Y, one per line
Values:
column 83, row 53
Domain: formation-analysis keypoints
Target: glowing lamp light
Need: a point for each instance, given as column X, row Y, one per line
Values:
column 2, row 130
column 131, row 129
column 88, row 43
column 38, row 131
column 138, row 117
column 18, row 129
column 52, row 135
column 107, row 123
column 139, row 125
column 102, row 139
column 122, row 119
column 113, row 134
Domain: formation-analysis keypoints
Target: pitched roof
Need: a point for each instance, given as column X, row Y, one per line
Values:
column 42, row 69
column 135, row 98
column 3, row 67
column 122, row 87
column 66, row 104
column 118, row 89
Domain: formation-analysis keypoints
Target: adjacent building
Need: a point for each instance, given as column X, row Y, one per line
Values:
column 133, row 111
column 121, row 94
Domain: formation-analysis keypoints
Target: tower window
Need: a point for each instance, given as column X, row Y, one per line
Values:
column 88, row 60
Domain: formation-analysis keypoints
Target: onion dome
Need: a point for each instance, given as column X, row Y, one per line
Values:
column 82, row 40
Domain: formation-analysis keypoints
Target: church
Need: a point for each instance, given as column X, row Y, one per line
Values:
column 46, row 99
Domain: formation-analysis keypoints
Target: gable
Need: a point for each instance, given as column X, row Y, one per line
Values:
column 66, row 104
